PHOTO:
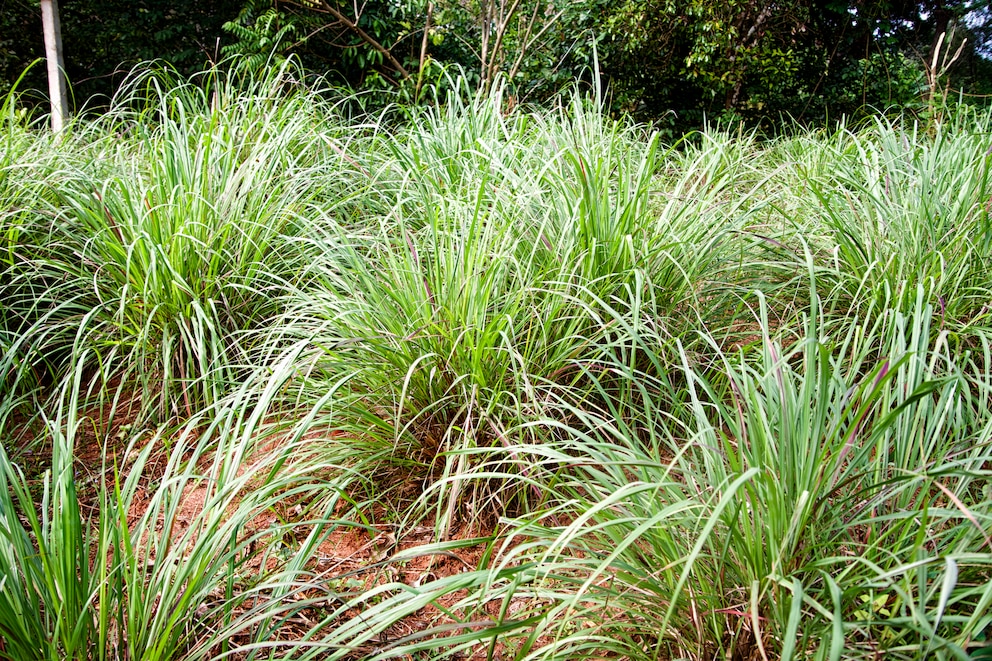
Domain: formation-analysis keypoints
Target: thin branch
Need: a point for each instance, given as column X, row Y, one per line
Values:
column 423, row 48
column 327, row 8
column 500, row 34
column 524, row 41
column 484, row 50
column 529, row 44
column 315, row 32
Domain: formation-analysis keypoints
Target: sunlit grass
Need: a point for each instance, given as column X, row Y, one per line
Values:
column 721, row 397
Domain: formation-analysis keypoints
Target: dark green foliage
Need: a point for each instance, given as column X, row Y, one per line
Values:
column 812, row 61
column 104, row 40
column 678, row 64
column 326, row 45
column 20, row 41
column 674, row 64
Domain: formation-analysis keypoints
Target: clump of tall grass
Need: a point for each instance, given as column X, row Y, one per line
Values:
column 904, row 205
column 27, row 158
column 156, row 252
column 800, row 499
column 213, row 555
column 475, row 290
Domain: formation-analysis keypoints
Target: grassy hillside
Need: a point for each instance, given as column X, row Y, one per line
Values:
column 560, row 390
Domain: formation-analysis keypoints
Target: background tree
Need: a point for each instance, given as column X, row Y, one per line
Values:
column 392, row 42
column 673, row 63
column 811, row 59
column 370, row 44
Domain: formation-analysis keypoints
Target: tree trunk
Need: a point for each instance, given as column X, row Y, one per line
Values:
column 53, row 53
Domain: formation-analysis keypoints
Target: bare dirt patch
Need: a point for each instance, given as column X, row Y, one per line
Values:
column 367, row 551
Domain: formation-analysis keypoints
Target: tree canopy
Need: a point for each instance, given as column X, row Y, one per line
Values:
column 674, row 63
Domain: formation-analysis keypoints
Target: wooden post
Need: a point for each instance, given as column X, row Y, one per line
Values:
column 53, row 53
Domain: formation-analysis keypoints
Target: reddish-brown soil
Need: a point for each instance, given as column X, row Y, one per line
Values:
column 354, row 558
